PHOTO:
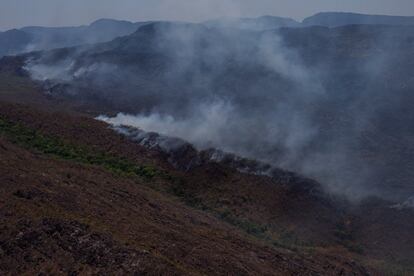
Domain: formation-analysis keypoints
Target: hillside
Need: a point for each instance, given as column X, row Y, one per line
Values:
column 67, row 198
column 104, row 204
column 186, row 149
column 344, row 88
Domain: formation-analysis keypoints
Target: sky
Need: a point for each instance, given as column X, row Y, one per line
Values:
column 19, row 13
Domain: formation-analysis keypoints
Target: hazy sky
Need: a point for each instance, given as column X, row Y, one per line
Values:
column 18, row 13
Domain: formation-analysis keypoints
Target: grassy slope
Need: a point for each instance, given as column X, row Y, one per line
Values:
column 56, row 197
column 268, row 213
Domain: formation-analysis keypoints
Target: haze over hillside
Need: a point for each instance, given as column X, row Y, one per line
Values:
column 306, row 99
column 28, row 39
column 233, row 146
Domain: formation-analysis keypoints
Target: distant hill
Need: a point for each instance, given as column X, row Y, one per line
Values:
column 326, row 19
column 35, row 38
column 254, row 24
column 99, row 31
column 336, row 19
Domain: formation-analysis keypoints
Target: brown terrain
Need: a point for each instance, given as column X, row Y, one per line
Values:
column 77, row 199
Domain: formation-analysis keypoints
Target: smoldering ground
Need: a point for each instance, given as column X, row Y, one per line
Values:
column 314, row 100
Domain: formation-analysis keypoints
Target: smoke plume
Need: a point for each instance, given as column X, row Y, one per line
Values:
column 313, row 100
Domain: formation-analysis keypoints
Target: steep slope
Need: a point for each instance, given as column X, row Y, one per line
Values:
column 278, row 211
column 65, row 212
column 288, row 209
column 345, row 89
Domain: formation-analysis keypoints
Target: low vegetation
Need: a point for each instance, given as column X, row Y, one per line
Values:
column 33, row 139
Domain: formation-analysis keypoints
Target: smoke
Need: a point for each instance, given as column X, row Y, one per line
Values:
column 207, row 126
column 311, row 100
column 43, row 72
column 408, row 204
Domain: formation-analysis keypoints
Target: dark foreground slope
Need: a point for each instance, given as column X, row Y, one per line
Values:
column 78, row 197
column 74, row 203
